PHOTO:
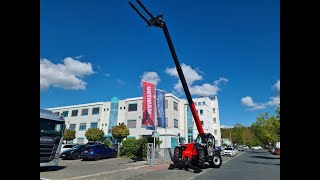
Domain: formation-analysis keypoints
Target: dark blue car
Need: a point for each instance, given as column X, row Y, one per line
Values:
column 97, row 151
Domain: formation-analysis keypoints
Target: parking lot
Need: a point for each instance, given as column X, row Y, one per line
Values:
column 111, row 168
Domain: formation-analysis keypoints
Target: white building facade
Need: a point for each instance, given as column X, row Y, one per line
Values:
column 180, row 127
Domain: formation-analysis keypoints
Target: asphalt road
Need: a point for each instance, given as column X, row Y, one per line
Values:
column 252, row 164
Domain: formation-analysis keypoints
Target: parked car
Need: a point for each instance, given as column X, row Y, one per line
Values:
column 245, row 147
column 256, row 147
column 230, row 151
column 240, row 148
column 97, row 151
column 222, row 153
column 73, row 153
column 66, row 147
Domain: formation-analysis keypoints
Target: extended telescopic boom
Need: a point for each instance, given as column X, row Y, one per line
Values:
column 157, row 22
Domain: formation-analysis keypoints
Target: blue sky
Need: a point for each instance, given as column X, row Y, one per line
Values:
column 91, row 51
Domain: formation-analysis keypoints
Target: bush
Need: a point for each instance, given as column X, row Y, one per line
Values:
column 107, row 142
column 129, row 148
column 141, row 148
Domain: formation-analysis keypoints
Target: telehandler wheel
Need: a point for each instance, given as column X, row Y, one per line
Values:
column 177, row 155
column 216, row 161
column 201, row 158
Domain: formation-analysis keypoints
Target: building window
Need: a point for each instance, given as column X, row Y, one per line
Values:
column 176, row 123
column 201, row 112
column 175, row 106
column 201, row 122
column 107, row 109
column 82, row 126
column 74, row 113
column 215, row 132
column 199, row 103
column 132, row 107
column 203, row 103
column 131, row 123
column 120, row 108
column 80, row 140
column 72, row 127
column 84, row 112
column 94, row 125
column 214, row 110
column 95, row 111
column 214, row 120
column 65, row 113
column 57, row 113
column 166, row 104
column 124, row 107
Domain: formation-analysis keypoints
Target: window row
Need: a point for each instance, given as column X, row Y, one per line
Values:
column 84, row 112
column 83, row 126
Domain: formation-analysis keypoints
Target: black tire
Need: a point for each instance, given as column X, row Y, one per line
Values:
column 97, row 157
column 76, row 156
column 177, row 155
column 114, row 155
column 216, row 161
column 201, row 158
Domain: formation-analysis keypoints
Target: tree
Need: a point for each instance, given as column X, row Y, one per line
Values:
column 119, row 132
column 267, row 128
column 94, row 134
column 107, row 142
column 69, row 135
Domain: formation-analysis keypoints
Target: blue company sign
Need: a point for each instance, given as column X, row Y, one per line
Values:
column 160, row 100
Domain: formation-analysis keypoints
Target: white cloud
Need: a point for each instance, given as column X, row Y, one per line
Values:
column 204, row 90
column 247, row 101
column 78, row 57
column 121, row 82
column 277, row 85
column 220, row 81
column 67, row 75
column 151, row 77
column 192, row 75
column 108, row 74
column 275, row 101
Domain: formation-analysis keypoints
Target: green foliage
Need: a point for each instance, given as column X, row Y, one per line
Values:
column 69, row 135
column 141, row 148
column 266, row 128
column 135, row 148
column 107, row 142
column 94, row 134
column 121, row 131
column 129, row 147
column 158, row 142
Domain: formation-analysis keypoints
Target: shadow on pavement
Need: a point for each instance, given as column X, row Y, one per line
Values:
column 265, row 157
column 53, row 168
column 256, row 151
column 137, row 159
column 256, row 162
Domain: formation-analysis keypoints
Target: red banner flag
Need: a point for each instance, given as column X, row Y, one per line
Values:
column 148, row 104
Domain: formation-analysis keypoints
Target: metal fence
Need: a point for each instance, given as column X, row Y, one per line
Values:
column 162, row 155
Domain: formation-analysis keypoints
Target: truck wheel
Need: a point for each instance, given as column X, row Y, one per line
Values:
column 201, row 158
column 177, row 155
column 216, row 161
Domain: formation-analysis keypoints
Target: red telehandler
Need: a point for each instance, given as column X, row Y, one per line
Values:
column 198, row 154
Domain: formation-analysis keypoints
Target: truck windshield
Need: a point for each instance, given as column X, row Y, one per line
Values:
column 50, row 127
